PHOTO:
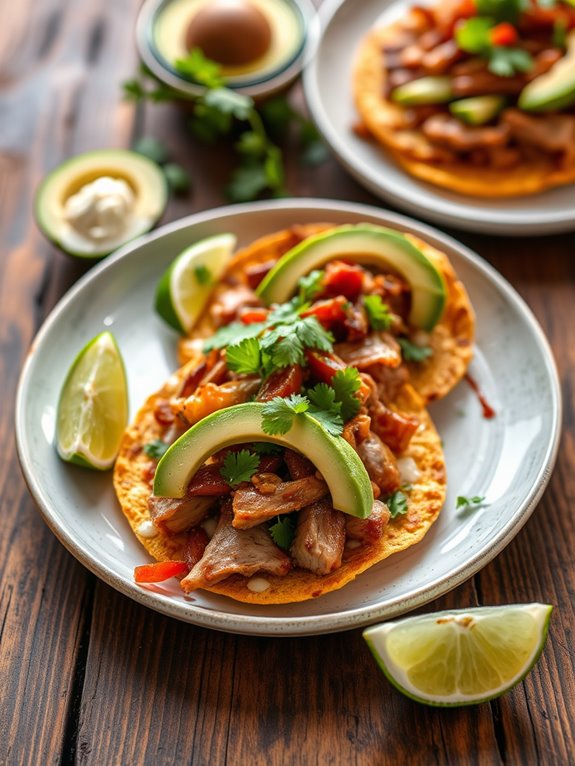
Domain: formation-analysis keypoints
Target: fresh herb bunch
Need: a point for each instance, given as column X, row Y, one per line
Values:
column 220, row 112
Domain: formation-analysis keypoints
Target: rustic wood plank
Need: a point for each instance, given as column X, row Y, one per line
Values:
column 48, row 58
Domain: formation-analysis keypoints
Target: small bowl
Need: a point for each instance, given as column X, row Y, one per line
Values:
column 251, row 84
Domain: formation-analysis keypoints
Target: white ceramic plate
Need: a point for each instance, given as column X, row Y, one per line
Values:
column 327, row 82
column 507, row 459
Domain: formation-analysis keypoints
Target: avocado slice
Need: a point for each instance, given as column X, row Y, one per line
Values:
column 140, row 177
column 556, row 88
column 477, row 110
column 425, row 90
column 369, row 244
column 334, row 458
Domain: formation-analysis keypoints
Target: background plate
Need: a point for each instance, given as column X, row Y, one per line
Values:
column 507, row 459
column 327, row 83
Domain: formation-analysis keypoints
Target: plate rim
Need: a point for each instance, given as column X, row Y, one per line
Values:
column 312, row 624
column 549, row 222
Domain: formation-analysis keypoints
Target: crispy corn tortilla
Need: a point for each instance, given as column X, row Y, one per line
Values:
column 386, row 121
column 451, row 339
column 133, row 477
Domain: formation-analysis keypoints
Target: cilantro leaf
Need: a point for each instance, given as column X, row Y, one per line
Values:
column 505, row 62
column 313, row 335
column 287, row 351
column 178, row 179
column 195, row 66
column 285, row 313
column 203, row 275
column 278, row 414
column 152, row 149
column 413, row 353
column 325, row 409
column 247, row 182
column 397, row 504
column 232, row 334
column 230, row 102
column 239, row 466
column 156, row 448
column 378, row 313
column 282, row 532
column 266, row 448
column 310, row 285
column 464, row 502
column 244, row 357
column 345, row 384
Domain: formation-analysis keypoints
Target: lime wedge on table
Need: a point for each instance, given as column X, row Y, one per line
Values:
column 93, row 406
column 185, row 287
column 461, row 657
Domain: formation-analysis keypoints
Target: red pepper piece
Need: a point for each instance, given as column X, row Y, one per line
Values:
column 324, row 366
column 160, row 571
column 343, row 279
column 195, row 546
column 253, row 315
column 328, row 312
column 281, row 383
column 208, row 481
column 503, row 34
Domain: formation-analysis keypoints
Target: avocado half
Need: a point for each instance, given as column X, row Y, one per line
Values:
column 369, row 244
column 144, row 177
column 335, row 459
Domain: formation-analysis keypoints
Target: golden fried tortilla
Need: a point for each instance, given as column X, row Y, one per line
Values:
column 387, row 122
column 133, row 478
column 451, row 339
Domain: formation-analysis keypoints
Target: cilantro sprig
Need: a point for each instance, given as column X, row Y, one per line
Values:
column 468, row 502
column 282, row 532
column 475, row 36
column 412, row 352
column 156, row 448
column 397, row 504
column 220, row 113
column 378, row 313
column 239, row 466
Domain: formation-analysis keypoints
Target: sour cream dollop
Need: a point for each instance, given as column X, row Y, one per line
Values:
column 101, row 210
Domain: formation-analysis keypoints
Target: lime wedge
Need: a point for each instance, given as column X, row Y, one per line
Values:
column 461, row 657
column 186, row 286
column 93, row 406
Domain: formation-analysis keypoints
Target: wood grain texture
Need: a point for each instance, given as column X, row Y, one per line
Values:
column 87, row 676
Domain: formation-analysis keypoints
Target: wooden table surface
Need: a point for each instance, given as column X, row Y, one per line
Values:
column 89, row 676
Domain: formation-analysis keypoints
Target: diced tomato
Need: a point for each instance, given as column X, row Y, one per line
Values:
column 328, row 312
column 503, row 34
column 195, row 546
column 466, row 9
column 256, row 273
column 208, row 481
column 343, row 279
column 253, row 315
column 283, row 383
column 324, row 366
column 160, row 571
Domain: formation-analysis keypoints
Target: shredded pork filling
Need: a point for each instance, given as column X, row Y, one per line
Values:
column 426, row 47
column 286, row 489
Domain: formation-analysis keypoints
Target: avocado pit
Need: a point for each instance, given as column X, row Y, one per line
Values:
column 230, row 32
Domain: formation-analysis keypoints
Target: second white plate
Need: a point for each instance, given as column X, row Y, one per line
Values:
column 328, row 89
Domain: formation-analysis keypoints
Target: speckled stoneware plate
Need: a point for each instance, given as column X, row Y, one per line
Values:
column 507, row 459
column 328, row 89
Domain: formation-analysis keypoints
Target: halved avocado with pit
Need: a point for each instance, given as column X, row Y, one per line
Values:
column 368, row 244
column 145, row 179
column 335, row 459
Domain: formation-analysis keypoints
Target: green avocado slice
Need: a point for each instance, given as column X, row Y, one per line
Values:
column 477, row 110
column 368, row 244
column 144, row 177
column 335, row 459
column 555, row 89
column 425, row 90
